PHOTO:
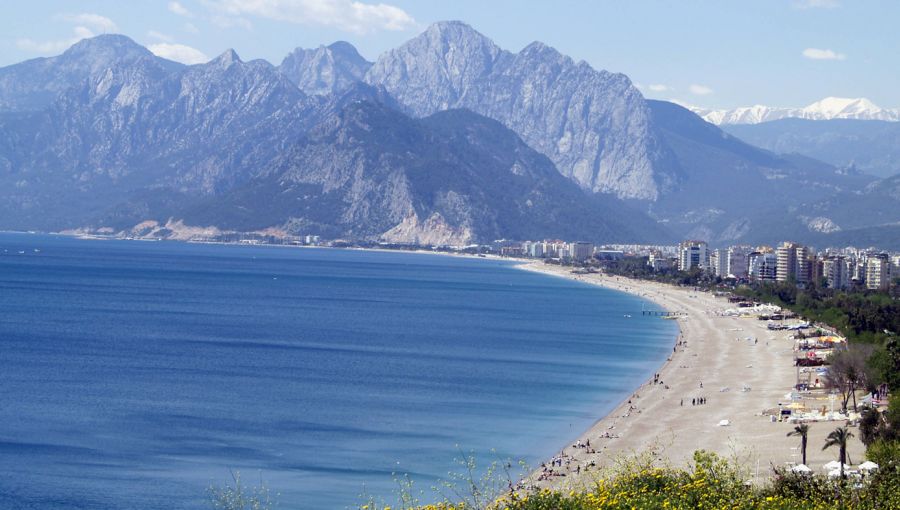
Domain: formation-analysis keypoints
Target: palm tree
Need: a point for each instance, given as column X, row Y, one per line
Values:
column 838, row 437
column 801, row 430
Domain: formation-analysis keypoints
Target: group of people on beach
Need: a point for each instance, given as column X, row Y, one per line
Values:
column 549, row 471
column 696, row 401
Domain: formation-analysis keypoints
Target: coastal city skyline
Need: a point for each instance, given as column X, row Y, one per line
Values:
column 386, row 254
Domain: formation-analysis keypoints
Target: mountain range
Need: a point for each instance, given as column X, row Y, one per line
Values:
column 825, row 109
column 445, row 139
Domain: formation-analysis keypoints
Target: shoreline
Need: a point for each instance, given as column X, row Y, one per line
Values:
column 739, row 367
column 659, row 418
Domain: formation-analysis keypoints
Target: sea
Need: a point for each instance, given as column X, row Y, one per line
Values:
column 144, row 375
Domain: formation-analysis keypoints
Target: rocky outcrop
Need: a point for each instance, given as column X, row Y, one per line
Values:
column 434, row 231
column 325, row 70
column 594, row 125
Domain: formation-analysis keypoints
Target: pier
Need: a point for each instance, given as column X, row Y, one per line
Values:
column 662, row 313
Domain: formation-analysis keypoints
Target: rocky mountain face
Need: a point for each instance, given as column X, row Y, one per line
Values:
column 34, row 84
column 236, row 145
column 325, row 70
column 594, row 125
column 367, row 171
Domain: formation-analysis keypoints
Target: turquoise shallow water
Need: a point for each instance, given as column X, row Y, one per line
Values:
column 134, row 374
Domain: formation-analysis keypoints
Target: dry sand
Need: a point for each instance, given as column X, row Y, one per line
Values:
column 718, row 355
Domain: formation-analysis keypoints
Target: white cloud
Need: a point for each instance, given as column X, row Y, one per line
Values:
column 224, row 21
column 178, row 52
column 159, row 36
column 348, row 15
column 86, row 25
column 95, row 21
column 33, row 46
column 54, row 46
column 190, row 28
column 700, row 90
column 822, row 54
column 180, row 10
column 658, row 87
column 816, row 4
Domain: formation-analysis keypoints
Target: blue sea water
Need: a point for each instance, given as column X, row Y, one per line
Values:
column 133, row 375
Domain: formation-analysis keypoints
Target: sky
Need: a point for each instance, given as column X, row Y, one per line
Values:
column 714, row 54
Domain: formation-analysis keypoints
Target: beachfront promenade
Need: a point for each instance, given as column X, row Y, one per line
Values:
column 740, row 379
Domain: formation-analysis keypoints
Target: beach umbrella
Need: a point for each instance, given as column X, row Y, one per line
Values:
column 868, row 466
column 801, row 468
column 834, row 465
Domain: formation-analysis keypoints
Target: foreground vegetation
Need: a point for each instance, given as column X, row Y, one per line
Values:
column 710, row 482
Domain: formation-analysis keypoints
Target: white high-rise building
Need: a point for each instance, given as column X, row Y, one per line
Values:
column 763, row 266
column 793, row 262
column 738, row 261
column 581, row 251
column 693, row 254
column 534, row 249
column 718, row 262
column 836, row 272
column 878, row 272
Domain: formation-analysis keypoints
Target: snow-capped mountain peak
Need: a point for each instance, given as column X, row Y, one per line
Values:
column 825, row 109
column 841, row 107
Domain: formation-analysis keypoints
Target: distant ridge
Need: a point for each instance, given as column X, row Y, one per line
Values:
column 109, row 136
column 825, row 109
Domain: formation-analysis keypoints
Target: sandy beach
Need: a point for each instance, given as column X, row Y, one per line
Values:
column 661, row 417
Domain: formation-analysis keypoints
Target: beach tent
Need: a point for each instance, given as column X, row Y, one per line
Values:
column 724, row 423
column 801, row 468
column 868, row 466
